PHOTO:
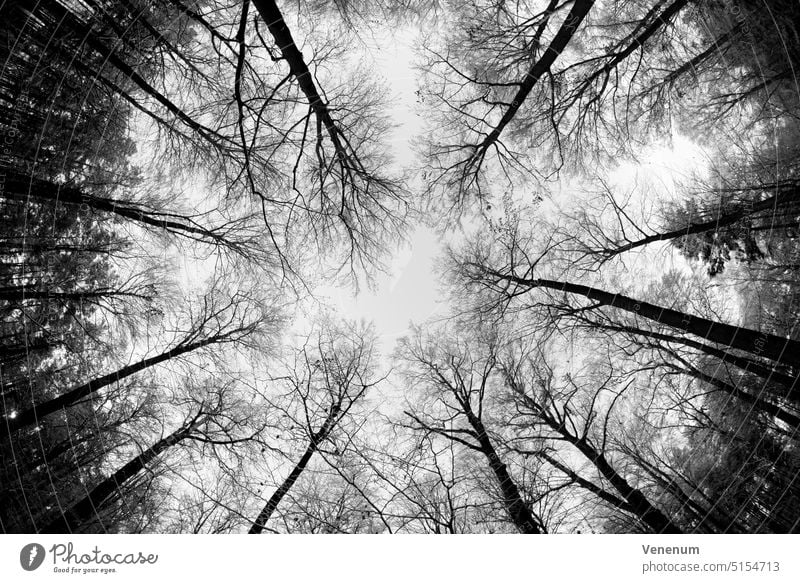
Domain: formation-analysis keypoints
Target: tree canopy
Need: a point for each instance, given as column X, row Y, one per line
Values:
column 611, row 201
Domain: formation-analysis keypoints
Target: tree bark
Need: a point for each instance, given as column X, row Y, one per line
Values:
column 20, row 186
column 580, row 8
column 744, row 364
column 273, row 18
column 658, row 22
column 640, row 505
column 587, row 485
column 637, row 502
column 71, row 22
column 759, row 404
column 717, row 46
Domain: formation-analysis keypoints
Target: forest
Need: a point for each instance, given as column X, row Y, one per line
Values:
column 612, row 193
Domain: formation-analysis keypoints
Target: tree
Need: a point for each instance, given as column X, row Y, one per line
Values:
column 513, row 279
column 429, row 487
column 327, row 502
column 152, row 215
column 326, row 382
column 459, row 381
column 209, row 420
column 461, row 175
column 219, row 322
column 726, row 222
column 548, row 78
column 560, row 410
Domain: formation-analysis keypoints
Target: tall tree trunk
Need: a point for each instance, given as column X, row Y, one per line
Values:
column 711, row 519
column 638, row 503
column 83, row 510
column 580, row 8
column 21, row 186
column 781, row 350
column 743, row 363
column 273, row 18
column 601, row 493
column 32, row 415
column 316, row 439
column 69, row 22
column 24, row 292
column 717, row 47
column 758, row 404
column 657, row 22
column 518, row 511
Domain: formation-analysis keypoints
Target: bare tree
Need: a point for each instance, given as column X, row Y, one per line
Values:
column 610, row 227
column 327, row 379
column 549, row 77
column 511, row 275
column 559, row 409
column 219, row 322
column 209, row 421
column 152, row 215
column 459, row 381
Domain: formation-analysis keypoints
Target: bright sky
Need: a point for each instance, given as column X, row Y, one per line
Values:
column 407, row 294
column 409, row 291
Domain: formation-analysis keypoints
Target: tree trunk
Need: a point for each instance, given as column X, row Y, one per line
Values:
column 273, row 18
column 781, row 350
column 580, row 8
column 657, row 22
column 32, row 415
column 69, row 22
column 758, row 404
column 717, row 47
column 590, row 486
column 82, row 511
column 745, row 364
column 317, row 438
column 21, row 186
column 518, row 511
column 639, row 504
column 706, row 518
